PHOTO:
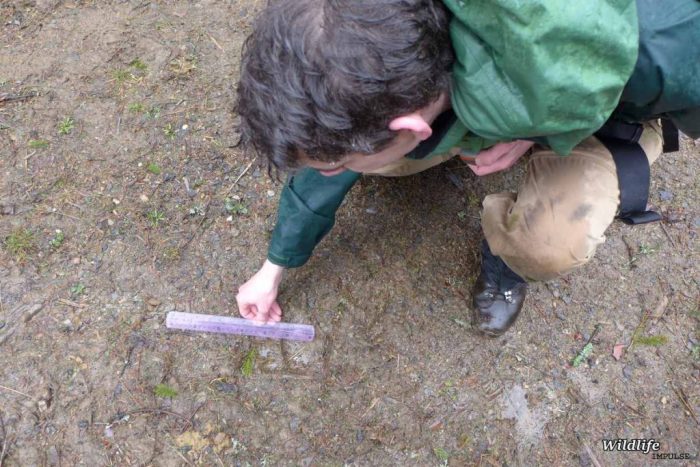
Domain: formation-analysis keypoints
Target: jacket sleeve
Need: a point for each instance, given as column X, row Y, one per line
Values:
column 666, row 79
column 306, row 214
column 553, row 69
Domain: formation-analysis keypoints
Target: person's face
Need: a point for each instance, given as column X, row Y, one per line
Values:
column 404, row 143
column 410, row 130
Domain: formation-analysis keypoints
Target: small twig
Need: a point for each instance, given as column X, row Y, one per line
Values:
column 660, row 309
column 495, row 393
column 630, row 252
column 177, row 451
column 371, row 406
column 173, row 112
column 240, row 176
column 219, row 458
column 194, row 412
column 2, row 427
column 589, row 451
column 71, row 304
column 286, row 375
column 200, row 228
column 32, row 312
column 596, row 330
column 617, row 396
column 162, row 412
column 4, row 440
column 7, row 97
column 80, row 208
column 187, row 184
column 215, row 43
column 65, row 215
column 6, row 335
column 684, row 400
column 16, row 392
column 673, row 242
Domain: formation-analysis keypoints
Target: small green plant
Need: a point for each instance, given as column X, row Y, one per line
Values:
column 233, row 206
column 138, row 64
column 654, row 341
column 153, row 112
column 448, row 390
column 156, row 217
column 57, row 240
column 248, row 363
column 646, row 249
column 582, row 355
column 66, row 126
column 163, row 390
column 461, row 215
column 183, row 66
column 38, row 144
column 197, row 210
column 695, row 351
column 60, row 183
column 136, row 107
column 171, row 253
column 153, row 168
column 20, row 243
column 237, row 447
column 122, row 76
column 160, row 25
column 77, row 290
column 169, row 131
column 695, row 313
column 442, row 455
column 460, row 322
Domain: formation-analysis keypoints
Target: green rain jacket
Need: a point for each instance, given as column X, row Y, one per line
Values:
column 553, row 71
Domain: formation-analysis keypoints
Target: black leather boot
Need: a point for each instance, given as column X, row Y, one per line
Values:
column 498, row 294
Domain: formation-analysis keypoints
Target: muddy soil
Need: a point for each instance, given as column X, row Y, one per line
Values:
column 124, row 194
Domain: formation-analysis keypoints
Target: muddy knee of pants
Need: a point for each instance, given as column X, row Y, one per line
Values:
column 562, row 210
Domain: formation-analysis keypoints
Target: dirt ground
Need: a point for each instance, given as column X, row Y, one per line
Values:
column 123, row 195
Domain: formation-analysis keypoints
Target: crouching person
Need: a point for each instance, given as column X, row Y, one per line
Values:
column 331, row 90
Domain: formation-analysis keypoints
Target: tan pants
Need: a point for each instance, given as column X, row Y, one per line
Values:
column 560, row 213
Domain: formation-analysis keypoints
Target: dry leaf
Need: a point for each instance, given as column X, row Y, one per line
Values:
column 617, row 351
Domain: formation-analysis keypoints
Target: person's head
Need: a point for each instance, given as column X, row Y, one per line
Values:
column 322, row 80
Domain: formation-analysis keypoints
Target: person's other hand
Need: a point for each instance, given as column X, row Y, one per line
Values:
column 257, row 298
column 499, row 157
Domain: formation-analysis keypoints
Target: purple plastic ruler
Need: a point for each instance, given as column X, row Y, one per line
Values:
column 244, row 327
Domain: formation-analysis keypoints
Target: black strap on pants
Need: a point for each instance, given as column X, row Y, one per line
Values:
column 670, row 134
column 633, row 175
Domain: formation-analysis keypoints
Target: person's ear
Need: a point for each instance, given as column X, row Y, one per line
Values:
column 412, row 122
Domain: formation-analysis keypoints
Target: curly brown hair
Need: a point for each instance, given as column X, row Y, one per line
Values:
column 324, row 78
